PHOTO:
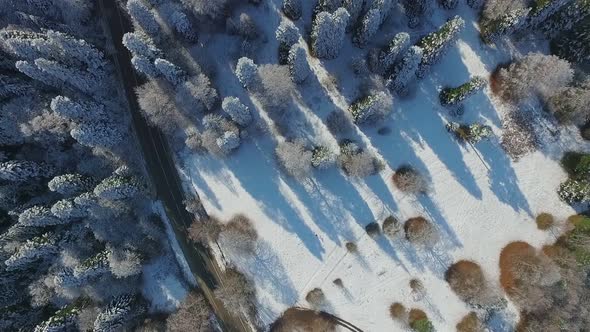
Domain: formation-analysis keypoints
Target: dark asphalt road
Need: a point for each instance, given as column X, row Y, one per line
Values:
column 163, row 173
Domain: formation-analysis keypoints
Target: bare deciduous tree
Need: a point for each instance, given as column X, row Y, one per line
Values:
column 193, row 315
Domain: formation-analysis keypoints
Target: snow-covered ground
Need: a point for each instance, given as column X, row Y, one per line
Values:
column 303, row 226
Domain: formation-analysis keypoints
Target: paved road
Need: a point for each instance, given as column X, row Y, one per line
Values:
column 164, row 174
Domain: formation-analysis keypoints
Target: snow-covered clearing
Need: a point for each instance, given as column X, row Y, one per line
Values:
column 303, row 226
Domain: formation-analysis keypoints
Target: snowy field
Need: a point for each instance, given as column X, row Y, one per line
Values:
column 304, row 225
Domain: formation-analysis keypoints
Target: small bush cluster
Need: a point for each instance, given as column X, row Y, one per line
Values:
column 315, row 297
column 544, row 221
column 577, row 187
column 420, row 231
column 355, row 161
column 408, row 180
column 454, row 96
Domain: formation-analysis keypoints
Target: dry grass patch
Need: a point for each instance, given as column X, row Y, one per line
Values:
column 398, row 312
column 467, row 280
column 544, row 221
column 470, row 323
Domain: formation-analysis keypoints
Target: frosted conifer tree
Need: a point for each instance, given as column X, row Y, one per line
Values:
column 505, row 25
column 387, row 57
column 38, row 216
column 118, row 187
column 449, row 4
column 92, row 268
column 405, row 71
column 77, row 111
column 228, row 142
column 71, row 184
column 287, row 34
column 23, row 170
column 30, row 69
column 328, row 5
column 328, row 33
column 238, row 112
column 78, row 49
column 139, row 44
column 435, row 44
column 292, row 9
column 65, row 319
column 170, row 71
column 354, row 8
column 144, row 66
column 417, row 10
column 13, row 86
column 298, row 64
column 371, row 108
column 79, row 79
column 183, row 26
column 143, row 16
column 454, row 96
column 543, row 9
column 26, row 45
column 67, row 210
column 247, row 73
column 368, row 27
column 116, row 315
column 566, row 18
column 103, row 134
column 31, row 251
column 475, row 4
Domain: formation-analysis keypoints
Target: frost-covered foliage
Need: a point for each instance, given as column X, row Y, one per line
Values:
column 417, row 10
column 177, row 19
column 357, row 162
column 13, row 86
column 574, row 45
column 409, row 180
column 505, row 25
column 144, row 66
column 294, row 158
column 141, row 45
column 292, row 9
column 372, row 20
column 354, row 8
column 328, row 33
column 371, row 108
column 157, row 102
column 38, row 216
column 454, row 96
column 117, row 187
column 322, row 157
column 101, row 134
column 435, row 44
column 247, row 73
column 570, row 104
column 518, row 134
column 387, row 56
column 67, row 210
column 143, row 16
column 298, row 63
column 213, row 9
column 197, row 94
column 542, row 10
column 170, row 71
column 287, row 35
column 534, row 75
column 449, row 4
column 236, row 293
column 574, row 191
column 228, row 142
column 566, row 18
column 276, row 92
column 239, row 236
column 78, row 111
column 23, row 170
column 58, row 75
column 65, row 319
column 472, row 133
column 118, row 314
column 405, row 71
column 32, row 250
column 194, row 314
column 237, row 111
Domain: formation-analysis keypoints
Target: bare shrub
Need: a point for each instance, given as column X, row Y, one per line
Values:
column 398, row 312
column 409, row 180
column 192, row 315
column 239, row 235
column 466, row 279
column 236, row 292
column 470, row 323
column 277, row 91
column 205, row 230
column 356, row 162
column 392, row 227
column 420, row 231
column 197, row 95
column 351, row 247
column 373, row 229
column 156, row 100
column 417, row 288
column 339, row 122
column 519, row 137
column 418, row 320
column 535, row 75
column 124, row 263
column 193, row 206
column 294, row 158
column 298, row 319
column 315, row 297
column 544, row 221
column 193, row 139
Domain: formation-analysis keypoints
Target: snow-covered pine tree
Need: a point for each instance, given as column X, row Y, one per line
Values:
column 170, row 71
column 247, row 73
column 292, row 9
column 143, row 16
column 32, row 250
column 92, row 268
column 144, row 66
column 238, row 112
column 84, row 81
column 574, row 191
column 472, row 133
column 287, row 34
column 574, row 45
column 449, row 4
column 566, row 18
column 30, row 69
column 354, row 8
column 505, row 25
column 417, row 10
column 78, row 49
column 117, row 187
column 322, row 157
column 117, row 314
column 140, row 44
column 228, row 142
column 77, row 111
column 71, row 184
column 405, row 71
column 183, row 26
column 63, row 320
column 328, row 33
column 67, row 210
column 387, row 56
column 328, row 5
column 25, row 44
column 371, row 108
column 38, row 216
column 24, row 170
column 101, row 134
column 11, row 86
column 475, row 4
column 541, row 10
column 372, row 20
column 454, row 96
column 435, row 44
column 298, row 64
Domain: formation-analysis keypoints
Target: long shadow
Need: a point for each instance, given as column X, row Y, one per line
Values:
column 435, row 216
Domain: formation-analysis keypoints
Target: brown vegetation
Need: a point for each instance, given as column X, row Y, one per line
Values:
column 416, row 315
column 239, row 235
column 397, row 311
column 295, row 319
column 466, row 279
column 315, row 297
column 408, row 180
column 204, row 231
column 419, row 231
column 351, row 247
column 373, row 229
column 391, row 227
column 470, row 323
column 544, row 221
column 193, row 315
